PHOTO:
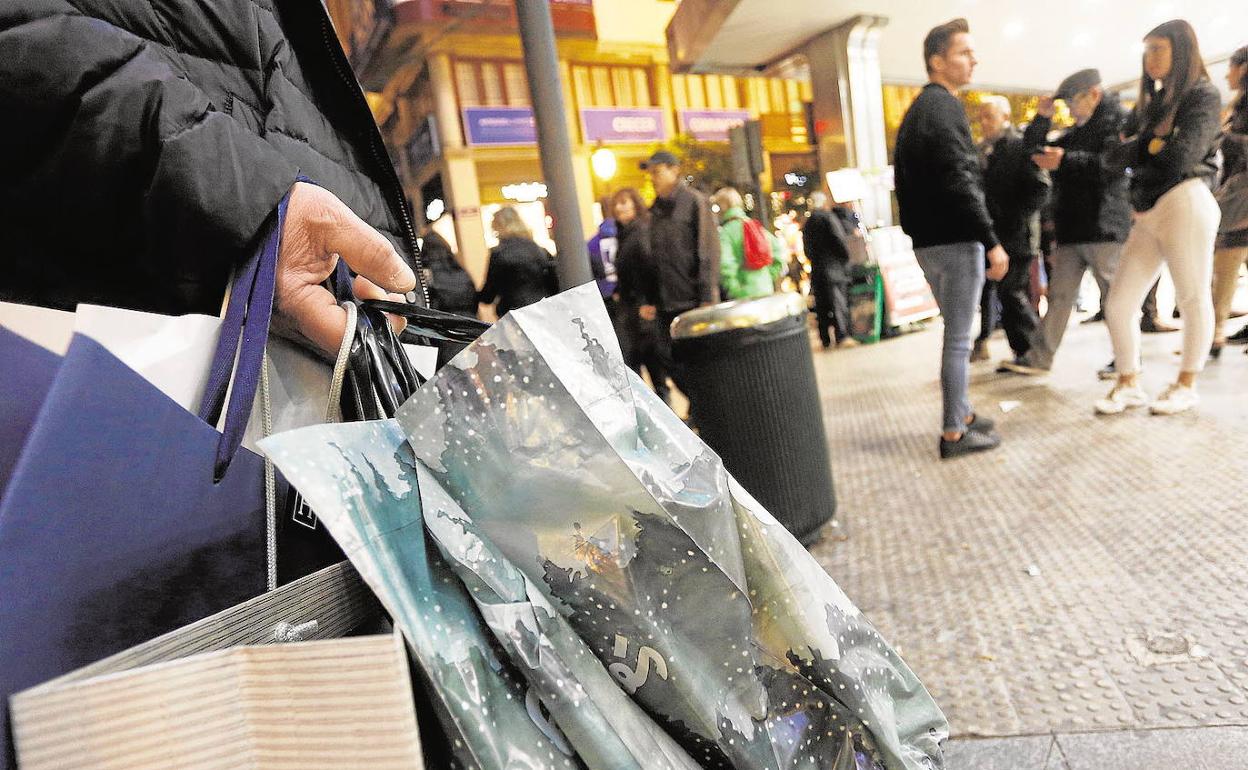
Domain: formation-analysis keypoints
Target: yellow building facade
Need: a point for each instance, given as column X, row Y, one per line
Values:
column 447, row 84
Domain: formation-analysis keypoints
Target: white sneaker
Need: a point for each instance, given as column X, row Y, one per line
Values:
column 1120, row 399
column 1175, row 399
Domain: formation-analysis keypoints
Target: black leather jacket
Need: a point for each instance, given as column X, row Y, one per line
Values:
column 1189, row 150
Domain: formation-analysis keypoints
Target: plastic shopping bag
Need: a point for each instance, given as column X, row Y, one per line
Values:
column 701, row 605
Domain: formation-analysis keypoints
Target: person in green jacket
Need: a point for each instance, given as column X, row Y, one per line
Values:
column 735, row 280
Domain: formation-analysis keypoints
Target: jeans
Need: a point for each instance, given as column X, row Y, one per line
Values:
column 1070, row 262
column 955, row 272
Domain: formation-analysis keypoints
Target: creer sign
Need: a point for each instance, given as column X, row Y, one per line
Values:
column 603, row 124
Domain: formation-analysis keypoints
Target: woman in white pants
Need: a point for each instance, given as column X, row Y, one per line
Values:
column 1172, row 157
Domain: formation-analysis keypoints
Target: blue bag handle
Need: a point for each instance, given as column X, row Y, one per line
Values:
column 247, row 317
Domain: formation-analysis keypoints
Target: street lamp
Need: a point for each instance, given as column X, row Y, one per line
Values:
column 603, row 163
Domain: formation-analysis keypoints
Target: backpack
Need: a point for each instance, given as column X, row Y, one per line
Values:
column 757, row 246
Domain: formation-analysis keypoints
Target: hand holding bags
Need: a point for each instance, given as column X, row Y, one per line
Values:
column 698, row 602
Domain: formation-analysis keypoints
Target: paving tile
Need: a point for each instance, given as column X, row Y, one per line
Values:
column 1209, row 748
column 1022, row 753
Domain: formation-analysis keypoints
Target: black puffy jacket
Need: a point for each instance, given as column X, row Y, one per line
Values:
column 144, row 144
column 1090, row 202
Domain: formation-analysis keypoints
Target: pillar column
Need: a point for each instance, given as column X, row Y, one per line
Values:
column 459, row 172
column 662, row 75
column 849, row 107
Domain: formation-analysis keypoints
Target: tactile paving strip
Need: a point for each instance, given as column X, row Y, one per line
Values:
column 1092, row 574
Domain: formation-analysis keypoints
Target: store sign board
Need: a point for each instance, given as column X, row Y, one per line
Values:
column 622, row 125
column 711, row 125
column 906, row 292
column 499, row 126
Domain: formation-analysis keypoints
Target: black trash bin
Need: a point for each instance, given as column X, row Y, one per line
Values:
column 750, row 378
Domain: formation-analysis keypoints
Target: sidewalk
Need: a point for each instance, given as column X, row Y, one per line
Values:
column 1084, row 587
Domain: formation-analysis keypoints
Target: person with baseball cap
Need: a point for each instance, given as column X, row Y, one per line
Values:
column 684, row 239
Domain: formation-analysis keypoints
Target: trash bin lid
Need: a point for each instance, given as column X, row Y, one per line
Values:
column 739, row 314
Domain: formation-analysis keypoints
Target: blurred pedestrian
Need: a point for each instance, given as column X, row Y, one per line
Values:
column 941, row 197
column 450, row 287
column 520, row 272
column 603, row 251
column 1172, row 152
column 826, row 243
column 638, row 289
column 685, row 243
column 1091, row 213
column 751, row 257
column 1231, row 248
column 1015, row 190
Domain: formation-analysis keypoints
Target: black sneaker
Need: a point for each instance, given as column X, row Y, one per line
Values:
column 980, row 424
column 1238, row 338
column 1109, row 372
column 971, row 442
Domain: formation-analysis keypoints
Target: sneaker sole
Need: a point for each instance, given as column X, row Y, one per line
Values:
column 1165, row 412
column 1105, row 408
column 1013, row 368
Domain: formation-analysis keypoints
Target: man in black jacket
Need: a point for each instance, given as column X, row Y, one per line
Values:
column 1015, row 190
column 940, row 192
column 145, row 164
column 826, row 245
column 1091, row 210
column 684, row 240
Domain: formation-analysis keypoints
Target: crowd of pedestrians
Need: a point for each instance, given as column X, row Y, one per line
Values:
column 1128, row 191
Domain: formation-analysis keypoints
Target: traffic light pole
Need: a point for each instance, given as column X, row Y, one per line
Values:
column 537, row 36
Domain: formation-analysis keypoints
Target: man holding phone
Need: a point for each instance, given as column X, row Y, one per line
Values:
column 1090, row 207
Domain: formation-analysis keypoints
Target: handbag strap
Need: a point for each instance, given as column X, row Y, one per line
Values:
column 239, row 357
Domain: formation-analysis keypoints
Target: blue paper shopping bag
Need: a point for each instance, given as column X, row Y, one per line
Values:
column 127, row 516
column 24, row 380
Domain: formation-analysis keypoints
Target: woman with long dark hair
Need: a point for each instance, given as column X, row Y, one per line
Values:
column 1173, row 158
column 1231, row 249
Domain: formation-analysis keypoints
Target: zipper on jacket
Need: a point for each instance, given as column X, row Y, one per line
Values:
column 380, row 157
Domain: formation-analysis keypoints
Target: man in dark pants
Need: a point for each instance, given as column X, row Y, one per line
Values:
column 824, row 240
column 684, row 240
column 1015, row 190
column 941, row 197
column 1090, row 207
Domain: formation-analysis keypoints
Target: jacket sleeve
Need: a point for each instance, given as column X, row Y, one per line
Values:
column 956, row 162
column 1031, row 182
column 594, row 247
column 117, row 123
column 1037, row 132
column 1196, row 128
column 709, row 253
column 729, row 262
